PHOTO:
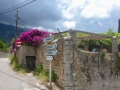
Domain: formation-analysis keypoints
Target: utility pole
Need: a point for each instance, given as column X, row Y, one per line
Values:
column 16, row 32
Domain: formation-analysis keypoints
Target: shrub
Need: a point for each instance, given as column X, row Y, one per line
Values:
column 117, row 64
column 33, row 37
column 54, row 76
column 3, row 46
column 44, row 73
column 16, row 66
column 38, row 69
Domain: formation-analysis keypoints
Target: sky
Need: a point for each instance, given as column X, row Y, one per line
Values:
column 84, row 15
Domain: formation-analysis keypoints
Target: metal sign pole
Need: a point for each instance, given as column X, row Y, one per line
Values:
column 50, row 72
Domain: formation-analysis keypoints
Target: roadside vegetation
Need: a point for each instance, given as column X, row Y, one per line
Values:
column 99, row 44
column 16, row 66
column 40, row 72
column 44, row 73
column 3, row 47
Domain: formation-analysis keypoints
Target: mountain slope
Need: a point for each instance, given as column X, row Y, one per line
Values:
column 7, row 33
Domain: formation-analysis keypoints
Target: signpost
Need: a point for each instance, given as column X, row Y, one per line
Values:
column 50, row 52
column 51, row 46
column 50, row 58
column 49, row 39
column 18, row 42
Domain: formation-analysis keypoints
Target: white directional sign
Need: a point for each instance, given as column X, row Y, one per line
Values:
column 51, row 46
column 49, row 39
column 51, row 52
column 49, row 58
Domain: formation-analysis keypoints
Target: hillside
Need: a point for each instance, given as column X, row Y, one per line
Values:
column 7, row 32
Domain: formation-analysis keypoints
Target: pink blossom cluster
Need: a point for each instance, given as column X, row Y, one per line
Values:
column 33, row 37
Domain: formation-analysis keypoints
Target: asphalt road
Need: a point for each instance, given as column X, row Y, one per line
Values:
column 10, row 80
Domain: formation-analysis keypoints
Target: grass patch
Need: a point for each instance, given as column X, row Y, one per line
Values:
column 16, row 66
column 44, row 73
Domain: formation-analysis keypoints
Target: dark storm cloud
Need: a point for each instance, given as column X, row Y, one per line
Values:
column 44, row 13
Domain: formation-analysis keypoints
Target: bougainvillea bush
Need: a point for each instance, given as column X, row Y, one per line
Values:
column 33, row 37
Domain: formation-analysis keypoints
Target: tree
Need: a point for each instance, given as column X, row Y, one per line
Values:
column 119, row 26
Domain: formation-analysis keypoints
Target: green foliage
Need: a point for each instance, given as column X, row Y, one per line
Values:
column 65, row 34
column 16, row 66
column 81, row 34
column 110, row 32
column 106, row 42
column 38, row 70
column 44, row 73
column 3, row 46
column 117, row 65
column 54, row 76
column 103, row 43
column 95, row 42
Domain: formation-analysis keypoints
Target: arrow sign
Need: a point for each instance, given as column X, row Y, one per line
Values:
column 51, row 52
column 49, row 58
column 51, row 46
column 49, row 39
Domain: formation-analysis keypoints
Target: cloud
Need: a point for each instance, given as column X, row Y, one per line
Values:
column 88, row 15
column 70, row 7
column 88, row 8
column 69, row 24
column 99, row 8
column 41, row 13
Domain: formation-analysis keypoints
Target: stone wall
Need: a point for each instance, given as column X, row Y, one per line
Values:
column 92, row 72
column 39, row 53
column 76, row 69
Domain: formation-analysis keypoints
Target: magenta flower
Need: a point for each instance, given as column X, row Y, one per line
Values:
column 33, row 37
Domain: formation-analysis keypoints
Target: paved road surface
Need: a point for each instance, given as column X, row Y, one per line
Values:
column 10, row 80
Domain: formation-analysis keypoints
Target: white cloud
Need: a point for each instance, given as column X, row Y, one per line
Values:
column 95, row 22
column 69, row 24
column 89, row 8
column 41, row 28
column 99, row 8
column 69, row 7
column 67, row 14
column 45, row 29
